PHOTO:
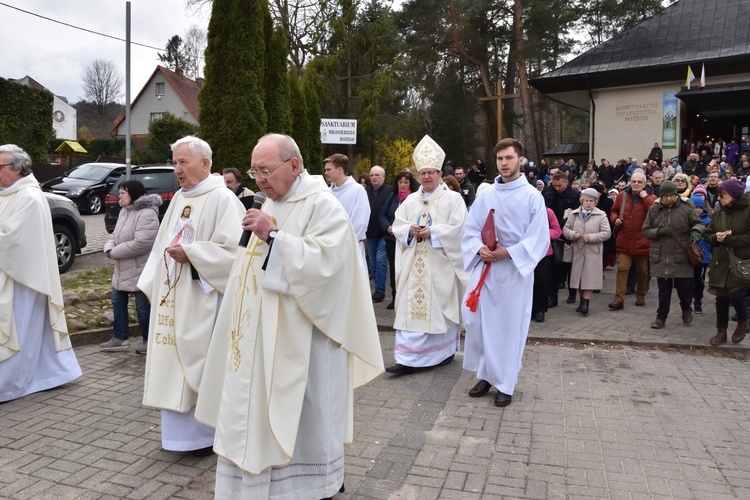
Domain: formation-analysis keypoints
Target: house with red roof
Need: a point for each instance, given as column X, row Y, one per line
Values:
column 166, row 91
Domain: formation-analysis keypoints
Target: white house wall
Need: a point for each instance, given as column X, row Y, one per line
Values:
column 147, row 103
column 64, row 120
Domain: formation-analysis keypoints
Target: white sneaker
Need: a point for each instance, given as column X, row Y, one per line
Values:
column 114, row 344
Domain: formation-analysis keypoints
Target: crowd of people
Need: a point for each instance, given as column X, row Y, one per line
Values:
column 646, row 217
column 256, row 309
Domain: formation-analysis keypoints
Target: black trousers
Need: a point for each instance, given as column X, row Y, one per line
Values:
column 684, row 288
column 699, row 281
column 738, row 299
column 560, row 274
column 542, row 284
column 390, row 251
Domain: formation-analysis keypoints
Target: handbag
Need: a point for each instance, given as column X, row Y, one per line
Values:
column 558, row 249
column 567, row 253
column 739, row 269
column 693, row 251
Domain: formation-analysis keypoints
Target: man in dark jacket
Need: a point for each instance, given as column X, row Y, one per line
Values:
column 377, row 194
column 670, row 224
column 632, row 246
column 561, row 199
column 468, row 193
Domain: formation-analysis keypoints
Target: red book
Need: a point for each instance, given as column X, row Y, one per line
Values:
column 489, row 238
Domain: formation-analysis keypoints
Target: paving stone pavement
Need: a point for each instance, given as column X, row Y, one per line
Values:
column 588, row 421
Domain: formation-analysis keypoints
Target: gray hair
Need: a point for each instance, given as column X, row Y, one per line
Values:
column 20, row 161
column 287, row 147
column 378, row 167
column 196, row 146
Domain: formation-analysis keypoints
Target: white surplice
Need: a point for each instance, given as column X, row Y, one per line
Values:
column 430, row 277
column 206, row 221
column 496, row 332
column 353, row 196
column 291, row 343
column 35, row 348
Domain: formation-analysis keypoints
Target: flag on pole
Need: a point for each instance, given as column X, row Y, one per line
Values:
column 703, row 76
column 690, row 77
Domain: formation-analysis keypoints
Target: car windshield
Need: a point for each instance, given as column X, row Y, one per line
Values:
column 90, row 172
column 152, row 181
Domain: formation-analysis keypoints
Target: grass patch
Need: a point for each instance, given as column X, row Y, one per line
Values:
column 97, row 279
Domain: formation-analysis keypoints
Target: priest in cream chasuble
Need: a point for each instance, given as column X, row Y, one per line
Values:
column 185, row 278
column 35, row 350
column 295, row 335
column 430, row 275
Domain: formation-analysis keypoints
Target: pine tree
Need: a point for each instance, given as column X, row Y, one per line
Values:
column 277, row 85
column 233, row 114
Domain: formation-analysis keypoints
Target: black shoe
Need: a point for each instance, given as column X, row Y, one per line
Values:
column 389, row 306
column 480, row 389
column 597, row 291
column 203, row 452
column 552, row 302
column 502, row 399
column 584, row 307
column 378, row 297
column 399, row 369
column 539, row 317
column 571, row 297
column 698, row 309
column 446, row 361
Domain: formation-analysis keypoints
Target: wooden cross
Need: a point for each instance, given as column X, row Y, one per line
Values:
column 499, row 98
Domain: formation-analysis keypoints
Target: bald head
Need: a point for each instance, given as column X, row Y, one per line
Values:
column 377, row 177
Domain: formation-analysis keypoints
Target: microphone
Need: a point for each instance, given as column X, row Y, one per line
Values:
column 258, row 200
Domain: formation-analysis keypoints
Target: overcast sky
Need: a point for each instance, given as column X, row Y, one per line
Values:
column 57, row 56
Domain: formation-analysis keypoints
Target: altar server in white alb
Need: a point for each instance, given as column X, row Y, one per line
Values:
column 35, row 350
column 430, row 273
column 351, row 194
column 184, row 278
column 295, row 335
column 496, row 332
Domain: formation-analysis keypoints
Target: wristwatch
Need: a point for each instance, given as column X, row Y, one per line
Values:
column 271, row 236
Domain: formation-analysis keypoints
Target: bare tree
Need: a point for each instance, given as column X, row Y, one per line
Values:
column 194, row 49
column 103, row 83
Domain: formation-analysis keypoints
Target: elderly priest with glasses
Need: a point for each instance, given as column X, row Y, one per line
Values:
column 295, row 335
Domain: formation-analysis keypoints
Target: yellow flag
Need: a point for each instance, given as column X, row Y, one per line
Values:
column 690, row 77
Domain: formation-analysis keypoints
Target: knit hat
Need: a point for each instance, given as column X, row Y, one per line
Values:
column 698, row 201
column 700, row 189
column 667, row 187
column 590, row 192
column 614, row 191
column 733, row 188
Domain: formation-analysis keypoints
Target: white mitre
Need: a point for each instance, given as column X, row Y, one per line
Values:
column 428, row 155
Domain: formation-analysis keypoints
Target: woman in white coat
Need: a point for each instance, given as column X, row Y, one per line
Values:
column 129, row 246
column 588, row 228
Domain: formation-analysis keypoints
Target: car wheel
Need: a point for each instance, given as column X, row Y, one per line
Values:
column 95, row 204
column 65, row 248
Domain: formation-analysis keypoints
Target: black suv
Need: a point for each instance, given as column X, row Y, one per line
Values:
column 69, row 228
column 157, row 179
column 86, row 185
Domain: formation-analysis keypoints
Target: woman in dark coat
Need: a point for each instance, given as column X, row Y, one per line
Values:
column 729, row 231
column 403, row 185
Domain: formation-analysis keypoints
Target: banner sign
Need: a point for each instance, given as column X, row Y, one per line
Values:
column 338, row 131
column 669, row 126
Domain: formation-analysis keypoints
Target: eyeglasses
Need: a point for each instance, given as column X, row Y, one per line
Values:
column 679, row 181
column 264, row 172
column 5, row 165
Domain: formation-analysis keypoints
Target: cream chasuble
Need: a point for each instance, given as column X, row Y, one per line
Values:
column 28, row 257
column 206, row 221
column 315, row 280
column 430, row 275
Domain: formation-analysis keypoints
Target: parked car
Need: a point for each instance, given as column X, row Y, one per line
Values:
column 157, row 179
column 86, row 185
column 69, row 228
